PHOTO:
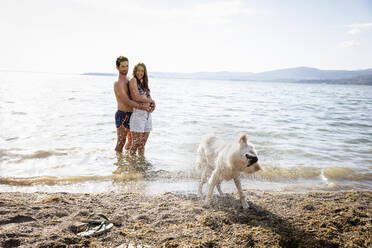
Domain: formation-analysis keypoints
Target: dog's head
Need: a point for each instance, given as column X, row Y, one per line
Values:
column 248, row 155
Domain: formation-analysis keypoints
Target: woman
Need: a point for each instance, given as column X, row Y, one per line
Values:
column 140, row 121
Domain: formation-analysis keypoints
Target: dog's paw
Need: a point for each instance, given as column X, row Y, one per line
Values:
column 207, row 200
column 206, row 203
column 222, row 194
column 245, row 204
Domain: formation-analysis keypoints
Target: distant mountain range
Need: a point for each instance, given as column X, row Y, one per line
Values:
column 297, row 74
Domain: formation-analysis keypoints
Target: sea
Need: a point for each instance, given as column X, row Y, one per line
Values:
column 58, row 134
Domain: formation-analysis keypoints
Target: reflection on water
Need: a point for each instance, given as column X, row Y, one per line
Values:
column 130, row 167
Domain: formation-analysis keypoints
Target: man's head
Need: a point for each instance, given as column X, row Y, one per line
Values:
column 122, row 65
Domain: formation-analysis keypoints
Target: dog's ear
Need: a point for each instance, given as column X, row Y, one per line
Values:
column 243, row 138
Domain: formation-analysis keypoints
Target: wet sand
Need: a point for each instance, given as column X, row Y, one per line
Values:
column 341, row 219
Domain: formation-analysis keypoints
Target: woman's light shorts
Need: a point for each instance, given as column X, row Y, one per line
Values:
column 140, row 121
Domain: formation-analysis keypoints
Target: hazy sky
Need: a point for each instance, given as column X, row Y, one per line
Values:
column 185, row 36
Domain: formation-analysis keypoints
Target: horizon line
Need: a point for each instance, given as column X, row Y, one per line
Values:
column 287, row 68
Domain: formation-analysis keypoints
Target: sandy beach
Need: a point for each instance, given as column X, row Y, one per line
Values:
column 341, row 219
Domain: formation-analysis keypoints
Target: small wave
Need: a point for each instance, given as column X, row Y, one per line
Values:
column 17, row 157
column 46, row 180
column 275, row 173
column 340, row 173
column 349, row 124
column 279, row 174
column 332, row 176
column 328, row 187
column 103, row 123
column 190, row 122
column 49, row 180
column 41, row 154
column 329, row 173
column 213, row 96
column 67, row 149
column 5, row 154
column 358, row 141
column 18, row 113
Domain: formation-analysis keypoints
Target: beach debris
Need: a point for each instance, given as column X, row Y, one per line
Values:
column 176, row 220
column 95, row 227
column 309, row 207
column 11, row 243
column 130, row 245
column 52, row 198
column 77, row 227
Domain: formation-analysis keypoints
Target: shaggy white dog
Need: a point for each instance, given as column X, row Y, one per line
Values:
column 222, row 161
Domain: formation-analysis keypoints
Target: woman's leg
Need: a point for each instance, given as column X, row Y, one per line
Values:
column 136, row 142
column 141, row 148
column 145, row 136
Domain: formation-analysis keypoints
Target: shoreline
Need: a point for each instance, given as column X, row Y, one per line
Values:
column 311, row 219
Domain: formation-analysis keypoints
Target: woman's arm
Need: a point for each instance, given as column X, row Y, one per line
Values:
column 153, row 105
column 135, row 95
column 123, row 97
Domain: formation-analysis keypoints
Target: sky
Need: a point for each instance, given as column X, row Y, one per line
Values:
column 76, row 36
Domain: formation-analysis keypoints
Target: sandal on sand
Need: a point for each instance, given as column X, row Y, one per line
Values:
column 103, row 227
column 99, row 227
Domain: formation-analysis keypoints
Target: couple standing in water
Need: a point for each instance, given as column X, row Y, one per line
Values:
column 135, row 105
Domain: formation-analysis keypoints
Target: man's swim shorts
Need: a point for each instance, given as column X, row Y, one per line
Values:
column 122, row 118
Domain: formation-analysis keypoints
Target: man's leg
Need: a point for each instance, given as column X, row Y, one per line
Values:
column 129, row 140
column 121, row 137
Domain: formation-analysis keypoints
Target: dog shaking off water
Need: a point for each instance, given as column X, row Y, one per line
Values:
column 222, row 161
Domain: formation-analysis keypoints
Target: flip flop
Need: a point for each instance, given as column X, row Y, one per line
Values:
column 103, row 227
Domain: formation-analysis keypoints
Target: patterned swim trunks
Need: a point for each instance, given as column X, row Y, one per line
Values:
column 122, row 118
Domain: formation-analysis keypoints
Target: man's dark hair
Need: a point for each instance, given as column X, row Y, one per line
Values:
column 120, row 59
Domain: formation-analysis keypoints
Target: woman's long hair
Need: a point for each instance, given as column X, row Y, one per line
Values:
column 145, row 82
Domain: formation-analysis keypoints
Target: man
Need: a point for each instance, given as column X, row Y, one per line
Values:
column 125, row 105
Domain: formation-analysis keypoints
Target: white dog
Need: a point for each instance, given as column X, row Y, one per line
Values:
column 220, row 161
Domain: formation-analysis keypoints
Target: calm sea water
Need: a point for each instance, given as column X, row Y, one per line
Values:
column 57, row 133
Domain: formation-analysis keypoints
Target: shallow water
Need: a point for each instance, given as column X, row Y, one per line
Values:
column 57, row 133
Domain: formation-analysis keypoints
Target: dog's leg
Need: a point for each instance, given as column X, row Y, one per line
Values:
column 203, row 180
column 240, row 191
column 219, row 188
column 212, row 183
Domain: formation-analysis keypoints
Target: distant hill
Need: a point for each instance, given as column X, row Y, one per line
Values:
column 362, row 80
column 98, row 74
column 307, row 73
column 222, row 75
column 297, row 74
